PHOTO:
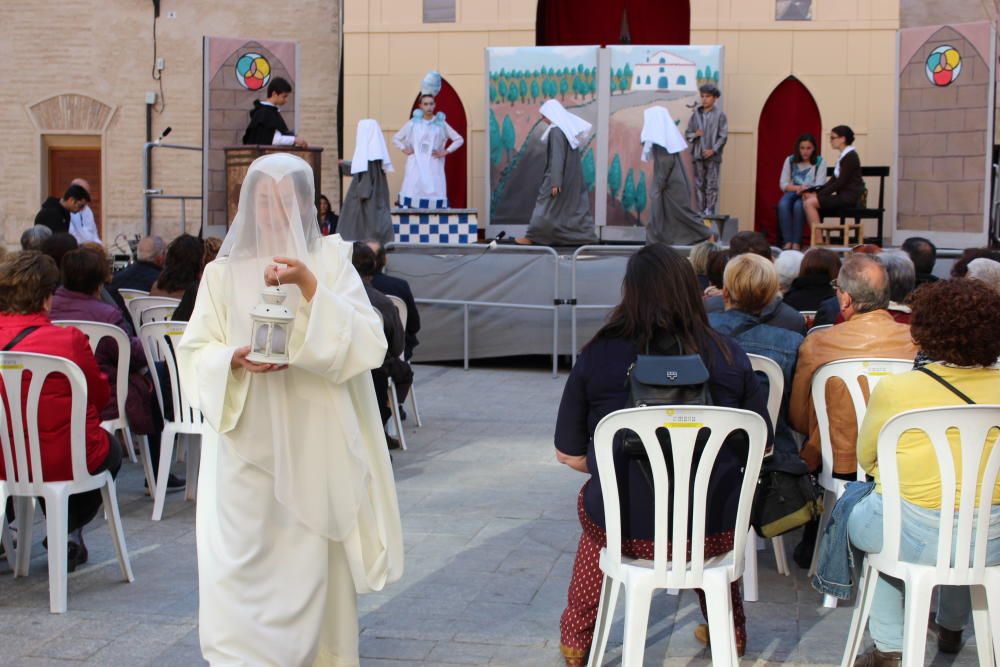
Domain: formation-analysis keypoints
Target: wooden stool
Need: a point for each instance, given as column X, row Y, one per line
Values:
column 821, row 234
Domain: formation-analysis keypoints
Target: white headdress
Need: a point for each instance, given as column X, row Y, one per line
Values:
column 659, row 128
column 369, row 145
column 575, row 128
column 431, row 83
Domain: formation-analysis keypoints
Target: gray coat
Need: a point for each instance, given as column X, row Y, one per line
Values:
column 365, row 214
column 673, row 221
column 716, row 132
column 564, row 219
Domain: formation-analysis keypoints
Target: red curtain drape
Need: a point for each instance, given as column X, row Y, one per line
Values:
column 575, row 22
column 455, row 174
column 789, row 112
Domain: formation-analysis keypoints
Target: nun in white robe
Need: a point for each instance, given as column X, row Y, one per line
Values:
column 673, row 220
column 365, row 214
column 297, row 509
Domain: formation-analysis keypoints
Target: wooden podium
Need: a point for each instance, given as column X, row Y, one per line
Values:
column 238, row 159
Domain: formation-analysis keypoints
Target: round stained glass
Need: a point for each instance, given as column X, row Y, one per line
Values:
column 253, row 71
column 943, row 65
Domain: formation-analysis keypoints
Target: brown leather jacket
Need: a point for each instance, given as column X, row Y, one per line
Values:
column 868, row 335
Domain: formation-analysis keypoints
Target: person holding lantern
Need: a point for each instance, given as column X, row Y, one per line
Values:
column 297, row 508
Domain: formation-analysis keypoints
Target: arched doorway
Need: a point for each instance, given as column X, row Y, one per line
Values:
column 455, row 174
column 789, row 112
column 575, row 22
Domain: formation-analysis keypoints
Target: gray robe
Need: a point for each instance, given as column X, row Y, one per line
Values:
column 673, row 221
column 564, row 219
column 365, row 214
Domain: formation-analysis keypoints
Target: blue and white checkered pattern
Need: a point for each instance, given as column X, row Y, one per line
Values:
column 409, row 202
column 435, row 227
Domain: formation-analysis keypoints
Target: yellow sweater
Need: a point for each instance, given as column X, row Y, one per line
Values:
column 919, row 476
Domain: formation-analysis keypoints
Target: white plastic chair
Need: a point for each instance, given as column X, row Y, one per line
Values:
column 129, row 294
column 775, row 390
column 25, row 485
column 156, row 314
column 158, row 342
column 141, row 303
column 674, row 570
column 401, row 309
column 818, row 327
column 95, row 333
column 850, row 372
column 968, row 567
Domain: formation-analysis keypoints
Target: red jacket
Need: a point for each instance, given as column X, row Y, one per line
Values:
column 53, row 417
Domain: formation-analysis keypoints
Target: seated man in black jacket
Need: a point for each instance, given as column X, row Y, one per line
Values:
column 55, row 212
column 393, row 286
column 394, row 367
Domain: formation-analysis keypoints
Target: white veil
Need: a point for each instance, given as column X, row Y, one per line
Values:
column 659, row 128
column 369, row 145
column 322, row 482
column 575, row 128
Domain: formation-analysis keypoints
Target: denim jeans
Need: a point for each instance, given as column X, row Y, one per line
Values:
column 791, row 218
column 918, row 544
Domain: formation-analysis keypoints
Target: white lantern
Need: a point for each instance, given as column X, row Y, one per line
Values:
column 272, row 322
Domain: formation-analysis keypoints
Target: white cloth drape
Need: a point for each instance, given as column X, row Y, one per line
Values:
column 659, row 128
column 575, row 128
column 369, row 145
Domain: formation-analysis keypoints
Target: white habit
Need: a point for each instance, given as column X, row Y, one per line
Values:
column 297, row 506
column 424, row 177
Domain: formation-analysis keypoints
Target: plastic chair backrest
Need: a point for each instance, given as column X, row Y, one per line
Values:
column 972, row 424
column 684, row 423
column 775, row 384
column 129, row 294
column 18, row 450
column 159, row 340
column 850, row 372
column 97, row 332
column 156, row 314
column 818, row 327
column 400, row 308
column 140, row 303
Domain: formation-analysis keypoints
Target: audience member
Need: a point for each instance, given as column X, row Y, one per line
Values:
column 33, row 237
column 212, row 246
column 699, row 260
column 402, row 376
column 28, row 281
column 82, row 224
column 55, row 212
column 788, row 264
column 661, row 304
column 814, row 284
column 778, row 313
column 141, row 274
column 985, row 270
column 868, row 332
column 902, row 280
column 184, row 309
column 715, row 270
column 58, row 245
column 954, row 325
column 182, row 267
column 961, row 266
column 751, row 283
column 393, row 286
column 924, row 255
column 327, row 218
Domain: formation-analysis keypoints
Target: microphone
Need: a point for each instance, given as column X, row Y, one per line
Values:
column 496, row 239
column 163, row 134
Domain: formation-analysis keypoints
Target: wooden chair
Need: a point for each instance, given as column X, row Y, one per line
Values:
column 822, row 233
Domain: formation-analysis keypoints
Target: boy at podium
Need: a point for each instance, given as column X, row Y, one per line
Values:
column 267, row 127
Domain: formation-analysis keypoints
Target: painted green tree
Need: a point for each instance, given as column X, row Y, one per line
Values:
column 508, row 135
column 615, row 176
column 614, row 87
column 640, row 196
column 589, row 170
column 501, row 90
column 493, row 94
column 563, row 87
column 627, row 71
column 523, row 89
column 628, row 192
column 512, row 92
column 534, row 90
column 496, row 140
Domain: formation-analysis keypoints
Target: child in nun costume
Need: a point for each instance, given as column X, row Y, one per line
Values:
column 562, row 211
column 297, row 509
column 365, row 215
column 674, row 221
column 423, row 139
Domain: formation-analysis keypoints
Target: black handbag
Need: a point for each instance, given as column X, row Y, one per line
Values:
column 787, row 497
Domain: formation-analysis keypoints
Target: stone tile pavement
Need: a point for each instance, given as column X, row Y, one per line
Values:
column 490, row 530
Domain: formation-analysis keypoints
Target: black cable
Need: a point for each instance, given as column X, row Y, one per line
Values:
column 157, row 76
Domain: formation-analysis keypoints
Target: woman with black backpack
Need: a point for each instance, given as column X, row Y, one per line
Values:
column 661, row 309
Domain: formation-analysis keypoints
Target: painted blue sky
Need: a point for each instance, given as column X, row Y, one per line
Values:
column 703, row 55
column 534, row 57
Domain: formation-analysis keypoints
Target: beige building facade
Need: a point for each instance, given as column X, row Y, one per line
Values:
column 76, row 75
column 845, row 56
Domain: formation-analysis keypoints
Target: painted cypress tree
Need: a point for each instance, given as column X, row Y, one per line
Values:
column 628, row 192
column 496, row 140
column 508, row 135
column 512, row 92
column 502, row 90
column 563, row 87
column 640, row 196
column 589, row 171
column 615, row 176
column 523, row 90
column 534, row 91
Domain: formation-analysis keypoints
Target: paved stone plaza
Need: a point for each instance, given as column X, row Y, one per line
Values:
column 490, row 528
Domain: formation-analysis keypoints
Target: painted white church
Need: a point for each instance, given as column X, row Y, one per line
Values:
column 665, row 71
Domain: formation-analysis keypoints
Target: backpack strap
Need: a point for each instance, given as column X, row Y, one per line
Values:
column 18, row 338
column 949, row 386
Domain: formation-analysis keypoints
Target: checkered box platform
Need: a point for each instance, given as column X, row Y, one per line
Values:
column 435, row 227
column 410, row 202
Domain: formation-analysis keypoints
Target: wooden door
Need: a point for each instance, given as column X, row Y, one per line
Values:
column 65, row 164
